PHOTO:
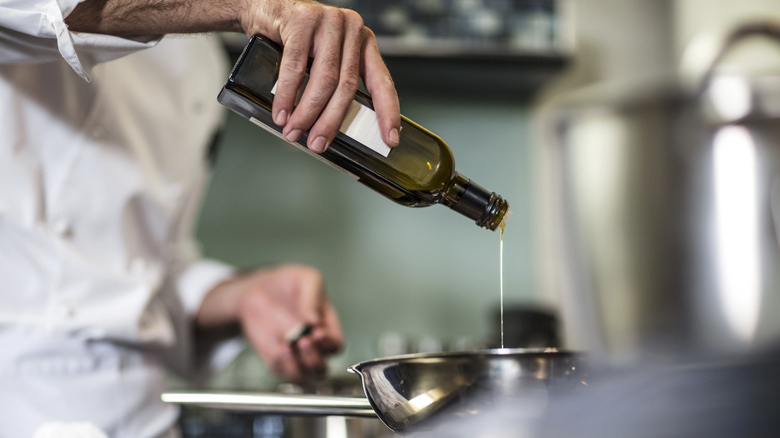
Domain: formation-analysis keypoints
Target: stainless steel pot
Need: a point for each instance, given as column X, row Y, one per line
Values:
column 669, row 208
column 414, row 391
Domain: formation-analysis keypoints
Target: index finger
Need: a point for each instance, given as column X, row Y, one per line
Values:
column 380, row 86
column 292, row 68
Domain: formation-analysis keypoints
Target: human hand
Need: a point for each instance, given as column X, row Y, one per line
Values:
column 343, row 51
column 270, row 303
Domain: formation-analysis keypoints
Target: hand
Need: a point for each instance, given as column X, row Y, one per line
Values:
column 343, row 51
column 272, row 302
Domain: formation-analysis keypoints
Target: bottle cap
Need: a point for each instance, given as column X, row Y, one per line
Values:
column 488, row 209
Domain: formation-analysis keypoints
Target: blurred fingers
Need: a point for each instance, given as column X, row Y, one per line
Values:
column 329, row 337
column 310, row 359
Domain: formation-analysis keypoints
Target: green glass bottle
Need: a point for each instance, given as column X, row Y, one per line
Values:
column 419, row 172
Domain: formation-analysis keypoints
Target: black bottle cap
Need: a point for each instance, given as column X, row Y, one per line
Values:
column 488, row 209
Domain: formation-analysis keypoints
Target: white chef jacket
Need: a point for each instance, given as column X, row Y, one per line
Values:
column 102, row 168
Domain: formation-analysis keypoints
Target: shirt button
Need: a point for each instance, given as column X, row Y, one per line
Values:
column 61, row 227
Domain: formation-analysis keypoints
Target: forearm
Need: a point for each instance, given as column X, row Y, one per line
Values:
column 155, row 17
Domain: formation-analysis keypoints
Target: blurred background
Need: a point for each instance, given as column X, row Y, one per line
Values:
column 477, row 73
column 607, row 252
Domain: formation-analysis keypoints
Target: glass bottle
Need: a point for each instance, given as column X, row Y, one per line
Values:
column 419, row 172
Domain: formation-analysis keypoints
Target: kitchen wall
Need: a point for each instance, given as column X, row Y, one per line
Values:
column 422, row 273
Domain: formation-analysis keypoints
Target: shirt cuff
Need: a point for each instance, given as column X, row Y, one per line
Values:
column 83, row 50
column 198, row 279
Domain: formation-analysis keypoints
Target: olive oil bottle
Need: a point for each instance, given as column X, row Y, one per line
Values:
column 419, row 172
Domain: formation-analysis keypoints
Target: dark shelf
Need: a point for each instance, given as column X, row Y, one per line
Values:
column 472, row 74
column 473, row 71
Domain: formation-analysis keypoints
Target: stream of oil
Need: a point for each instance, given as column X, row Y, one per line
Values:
column 501, row 281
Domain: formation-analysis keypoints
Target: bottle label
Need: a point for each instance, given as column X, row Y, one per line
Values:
column 305, row 149
column 360, row 124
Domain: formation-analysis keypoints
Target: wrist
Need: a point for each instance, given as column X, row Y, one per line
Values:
column 221, row 305
column 262, row 17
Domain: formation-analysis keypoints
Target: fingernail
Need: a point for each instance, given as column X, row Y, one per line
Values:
column 281, row 118
column 293, row 135
column 394, row 134
column 319, row 144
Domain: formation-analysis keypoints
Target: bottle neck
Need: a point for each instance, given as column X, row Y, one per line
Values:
column 468, row 198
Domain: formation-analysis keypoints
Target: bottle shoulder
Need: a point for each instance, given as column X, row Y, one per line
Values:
column 422, row 157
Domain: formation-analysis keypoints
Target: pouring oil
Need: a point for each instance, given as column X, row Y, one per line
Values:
column 419, row 172
column 501, row 279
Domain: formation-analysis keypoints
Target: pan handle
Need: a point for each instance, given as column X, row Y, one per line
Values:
column 273, row 403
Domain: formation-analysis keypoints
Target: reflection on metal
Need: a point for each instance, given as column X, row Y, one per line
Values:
column 731, row 97
column 336, row 427
column 422, row 401
column 273, row 403
column 737, row 229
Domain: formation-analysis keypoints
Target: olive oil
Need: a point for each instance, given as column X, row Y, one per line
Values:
column 501, row 280
column 419, row 172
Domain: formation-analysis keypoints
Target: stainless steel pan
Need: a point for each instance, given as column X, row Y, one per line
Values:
column 413, row 391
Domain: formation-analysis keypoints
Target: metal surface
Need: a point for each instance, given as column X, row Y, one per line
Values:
column 668, row 209
column 272, row 403
column 414, row 392
column 417, row 391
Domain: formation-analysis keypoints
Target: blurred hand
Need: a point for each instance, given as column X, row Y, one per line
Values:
column 270, row 304
column 343, row 51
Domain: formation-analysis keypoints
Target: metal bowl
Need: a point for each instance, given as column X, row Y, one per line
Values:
column 419, row 390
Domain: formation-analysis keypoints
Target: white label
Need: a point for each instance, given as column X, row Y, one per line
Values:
column 298, row 146
column 361, row 125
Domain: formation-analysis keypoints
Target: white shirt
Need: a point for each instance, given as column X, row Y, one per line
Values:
column 102, row 169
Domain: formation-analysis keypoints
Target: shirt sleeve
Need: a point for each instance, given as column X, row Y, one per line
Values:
column 34, row 31
column 193, row 275
column 197, row 279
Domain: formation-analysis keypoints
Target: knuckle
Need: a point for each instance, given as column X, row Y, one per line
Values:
column 330, row 80
column 334, row 16
column 349, row 84
column 352, row 18
column 306, row 16
column 306, row 9
column 295, row 68
column 368, row 34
